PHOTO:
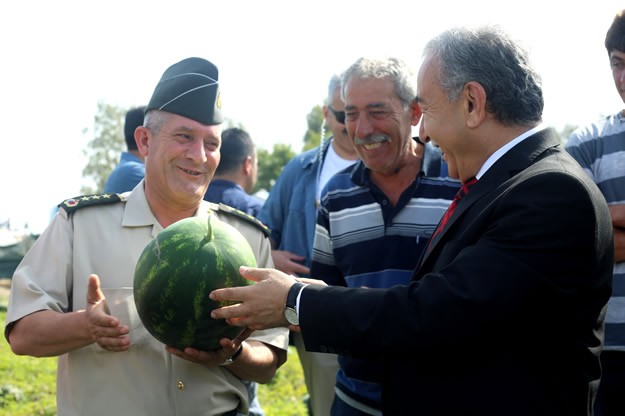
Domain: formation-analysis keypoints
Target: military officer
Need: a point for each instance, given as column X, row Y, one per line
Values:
column 109, row 363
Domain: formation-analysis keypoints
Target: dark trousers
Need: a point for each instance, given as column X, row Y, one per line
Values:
column 610, row 399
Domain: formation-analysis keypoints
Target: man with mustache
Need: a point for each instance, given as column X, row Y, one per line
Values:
column 504, row 314
column 388, row 202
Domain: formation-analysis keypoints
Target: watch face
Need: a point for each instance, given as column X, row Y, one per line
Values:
column 291, row 315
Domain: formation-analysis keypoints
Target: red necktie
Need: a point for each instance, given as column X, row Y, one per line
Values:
column 462, row 192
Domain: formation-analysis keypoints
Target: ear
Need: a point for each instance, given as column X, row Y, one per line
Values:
column 416, row 112
column 247, row 166
column 142, row 135
column 475, row 103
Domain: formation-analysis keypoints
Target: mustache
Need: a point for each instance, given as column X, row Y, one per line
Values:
column 372, row 138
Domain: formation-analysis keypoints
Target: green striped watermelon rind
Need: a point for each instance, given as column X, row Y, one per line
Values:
column 175, row 274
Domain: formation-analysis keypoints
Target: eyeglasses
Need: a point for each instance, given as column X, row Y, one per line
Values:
column 338, row 115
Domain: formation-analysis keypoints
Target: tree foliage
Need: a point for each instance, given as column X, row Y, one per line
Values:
column 312, row 137
column 104, row 148
column 270, row 165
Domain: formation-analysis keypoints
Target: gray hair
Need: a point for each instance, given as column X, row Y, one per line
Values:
column 402, row 75
column 154, row 120
column 335, row 82
column 490, row 57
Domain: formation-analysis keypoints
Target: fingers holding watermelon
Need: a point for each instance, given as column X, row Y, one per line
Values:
column 261, row 305
column 229, row 348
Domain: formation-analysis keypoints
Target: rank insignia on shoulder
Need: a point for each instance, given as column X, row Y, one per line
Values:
column 247, row 217
column 72, row 204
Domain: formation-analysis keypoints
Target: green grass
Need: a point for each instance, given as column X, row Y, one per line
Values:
column 284, row 394
column 28, row 385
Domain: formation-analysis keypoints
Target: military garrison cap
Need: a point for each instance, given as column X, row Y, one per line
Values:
column 189, row 88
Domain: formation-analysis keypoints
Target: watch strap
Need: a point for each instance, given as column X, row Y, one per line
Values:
column 291, row 297
column 233, row 357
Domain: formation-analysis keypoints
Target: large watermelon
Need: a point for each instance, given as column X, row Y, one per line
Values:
column 175, row 274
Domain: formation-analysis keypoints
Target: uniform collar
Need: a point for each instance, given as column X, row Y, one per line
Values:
column 138, row 213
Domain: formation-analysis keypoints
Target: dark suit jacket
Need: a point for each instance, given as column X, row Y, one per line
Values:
column 505, row 314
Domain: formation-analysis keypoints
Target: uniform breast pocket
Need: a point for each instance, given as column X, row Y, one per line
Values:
column 121, row 303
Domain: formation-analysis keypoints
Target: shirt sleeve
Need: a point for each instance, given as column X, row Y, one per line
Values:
column 44, row 277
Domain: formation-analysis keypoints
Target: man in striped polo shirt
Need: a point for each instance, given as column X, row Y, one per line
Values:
column 376, row 217
column 600, row 149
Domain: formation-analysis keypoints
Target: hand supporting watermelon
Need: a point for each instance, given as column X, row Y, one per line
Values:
column 255, row 361
column 105, row 329
column 262, row 304
column 212, row 358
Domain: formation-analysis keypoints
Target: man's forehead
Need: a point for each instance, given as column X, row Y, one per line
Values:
column 616, row 54
column 427, row 76
column 176, row 123
column 370, row 92
column 356, row 83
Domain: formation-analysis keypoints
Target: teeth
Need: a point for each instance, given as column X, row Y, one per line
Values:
column 190, row 172
column 372, row 146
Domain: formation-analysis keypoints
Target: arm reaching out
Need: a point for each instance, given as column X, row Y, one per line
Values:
column 262, row 304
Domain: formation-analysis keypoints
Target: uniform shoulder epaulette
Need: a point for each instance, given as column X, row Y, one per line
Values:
column 72, row 204
column 244, row 216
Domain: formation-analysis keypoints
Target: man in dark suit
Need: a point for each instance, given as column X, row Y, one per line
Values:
column 504, row 315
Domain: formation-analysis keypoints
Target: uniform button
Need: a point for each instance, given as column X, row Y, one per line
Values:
column 323, row 348
column 180, row 385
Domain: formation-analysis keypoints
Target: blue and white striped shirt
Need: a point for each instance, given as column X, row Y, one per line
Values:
column 361, row 239
column 600, row 149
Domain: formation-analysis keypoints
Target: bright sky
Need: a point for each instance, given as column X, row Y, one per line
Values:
column 275, row 59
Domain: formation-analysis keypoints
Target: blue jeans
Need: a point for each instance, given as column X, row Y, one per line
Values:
column 252, row 390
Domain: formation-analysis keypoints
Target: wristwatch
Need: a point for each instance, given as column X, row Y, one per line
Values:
column 233, row 357
column 290, row 313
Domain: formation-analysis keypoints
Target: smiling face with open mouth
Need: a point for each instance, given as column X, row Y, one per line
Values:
column 379, row 125
column 181, row 158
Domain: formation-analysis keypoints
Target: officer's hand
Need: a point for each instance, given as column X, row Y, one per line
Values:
column 105, row 329
column 212, row 358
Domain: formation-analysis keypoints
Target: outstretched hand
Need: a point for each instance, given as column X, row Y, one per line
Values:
column 105, row 329
column 262, row 304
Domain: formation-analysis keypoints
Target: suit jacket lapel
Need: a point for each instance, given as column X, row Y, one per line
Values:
column 514, row 161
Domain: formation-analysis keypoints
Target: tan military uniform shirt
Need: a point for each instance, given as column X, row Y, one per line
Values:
column 107, row 239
